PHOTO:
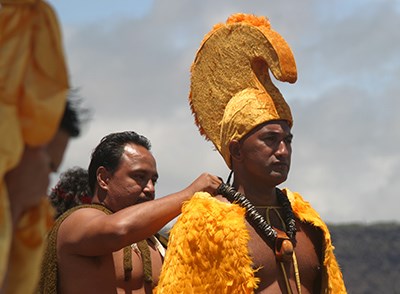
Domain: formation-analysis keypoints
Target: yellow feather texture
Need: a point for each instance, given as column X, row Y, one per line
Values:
column 208, row 253
column 208, row 250
column 333, row 282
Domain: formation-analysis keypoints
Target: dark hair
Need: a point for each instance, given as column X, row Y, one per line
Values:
column 74, row 114
column 71, row 190
column 109, row 151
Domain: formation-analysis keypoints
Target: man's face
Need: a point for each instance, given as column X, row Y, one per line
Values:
column 266, row 152
column 134, row 180
column 56, row 149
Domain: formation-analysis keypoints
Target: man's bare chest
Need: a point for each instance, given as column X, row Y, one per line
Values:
column 307, row 251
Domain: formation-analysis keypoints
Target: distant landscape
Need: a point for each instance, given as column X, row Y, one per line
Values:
column 369, row 256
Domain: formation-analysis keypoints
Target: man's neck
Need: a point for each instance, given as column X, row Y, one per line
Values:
column 258, row 195
column 101, row 201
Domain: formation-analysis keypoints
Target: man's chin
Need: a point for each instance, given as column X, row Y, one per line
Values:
column 279, row 177
column 143, row 200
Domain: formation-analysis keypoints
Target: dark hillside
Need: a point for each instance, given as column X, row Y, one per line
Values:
column 369, row 256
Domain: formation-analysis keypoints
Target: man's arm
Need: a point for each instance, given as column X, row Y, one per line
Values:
column 27, row 183
column 90, row 232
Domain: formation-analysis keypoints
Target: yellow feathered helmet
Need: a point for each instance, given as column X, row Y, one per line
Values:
column 231, row 91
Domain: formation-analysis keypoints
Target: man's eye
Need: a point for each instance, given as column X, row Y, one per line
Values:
column 288, row 140
column 138, row 177
column 270, row 140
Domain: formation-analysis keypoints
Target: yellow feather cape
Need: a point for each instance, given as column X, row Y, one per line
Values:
column 208, row 252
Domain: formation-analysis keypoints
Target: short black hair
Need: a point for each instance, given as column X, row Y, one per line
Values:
column 109, row 151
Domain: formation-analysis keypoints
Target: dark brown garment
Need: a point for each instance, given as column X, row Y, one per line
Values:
column 49, row 271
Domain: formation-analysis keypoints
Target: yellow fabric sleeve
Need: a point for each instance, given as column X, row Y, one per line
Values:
column 33, row 88
column 27, row 248
column 5, row 232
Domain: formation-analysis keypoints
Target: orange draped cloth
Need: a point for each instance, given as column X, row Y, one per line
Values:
column 33, row 90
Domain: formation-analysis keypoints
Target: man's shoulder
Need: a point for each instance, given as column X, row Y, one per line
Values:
column 303, row 210
column 79, row 215
column 296, row 200
column 83, row 210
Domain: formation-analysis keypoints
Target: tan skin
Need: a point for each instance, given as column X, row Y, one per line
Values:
column 261, row 161
column 90, row 243
column 28, row 182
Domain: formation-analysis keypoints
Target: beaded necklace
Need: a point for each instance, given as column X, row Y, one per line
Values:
column 267, row 232
column 283, row 241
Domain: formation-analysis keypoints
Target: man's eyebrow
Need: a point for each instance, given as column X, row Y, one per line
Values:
column 273, row 132
column 278, row 134
column 144, row 172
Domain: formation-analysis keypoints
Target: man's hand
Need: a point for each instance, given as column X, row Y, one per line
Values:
column 205, row 183
column 27, row 183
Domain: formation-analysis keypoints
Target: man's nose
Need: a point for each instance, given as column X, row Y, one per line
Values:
column 150, row 188
column 283, row 148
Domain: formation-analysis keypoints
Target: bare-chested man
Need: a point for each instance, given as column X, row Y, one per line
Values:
column 260, row 162
column 254, row 236
column 100, row 249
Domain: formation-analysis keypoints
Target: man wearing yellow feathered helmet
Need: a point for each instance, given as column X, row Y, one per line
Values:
column 253, row 237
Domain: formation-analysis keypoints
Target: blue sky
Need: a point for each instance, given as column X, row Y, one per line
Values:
column 131, row 62
column 76, row 12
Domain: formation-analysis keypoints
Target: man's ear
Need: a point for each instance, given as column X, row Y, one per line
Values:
column 103, row 177
column 235, row 150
